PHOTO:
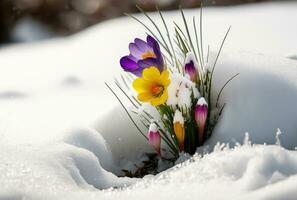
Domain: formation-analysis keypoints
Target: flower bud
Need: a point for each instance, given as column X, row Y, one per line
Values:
column 179, row 130
column 201, row 112
column 155, row 138
column 191, row 68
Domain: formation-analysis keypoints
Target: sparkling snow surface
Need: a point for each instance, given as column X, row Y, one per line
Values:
column 64, row 136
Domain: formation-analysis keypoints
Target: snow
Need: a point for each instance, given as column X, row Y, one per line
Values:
column 246, row 172
column 259, row 101
column 64, row 136
column 190, row 57
column 180, row 91
column 178, row 117
column 293, row 57
column 201, row 102
column 153, row 128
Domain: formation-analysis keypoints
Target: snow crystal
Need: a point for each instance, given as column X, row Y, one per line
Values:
column 247, row 140
column 277, row 137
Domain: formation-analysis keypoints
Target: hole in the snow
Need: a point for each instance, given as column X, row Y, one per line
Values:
column 151, row 165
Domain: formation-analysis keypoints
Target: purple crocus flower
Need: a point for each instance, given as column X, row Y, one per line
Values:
column 201, row 112
column 191, row 67
column 142, row 55
column 155, row 138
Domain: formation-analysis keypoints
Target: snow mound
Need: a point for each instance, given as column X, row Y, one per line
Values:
column 243, row 172
column 92, row 141
column 259, row 100
column 59, row 167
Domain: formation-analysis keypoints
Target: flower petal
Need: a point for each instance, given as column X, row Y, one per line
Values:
column 165, row 83
column 164, row 79
column 151, row 41
column 154, row 137
column 145, row 97
column 156, row 48
column 191, row 67
column 141, row 85
column 128, row 64
column 149, row 62
column 162, row 99
column 137, row 72
column 133, row 58
column 142, row 45
column 165, row 75
column 135, row 51
column 151, row 74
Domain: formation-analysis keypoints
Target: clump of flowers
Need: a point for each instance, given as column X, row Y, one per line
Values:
column 171, row 81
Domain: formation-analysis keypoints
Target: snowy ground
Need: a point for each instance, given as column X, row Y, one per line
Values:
column 62, row 133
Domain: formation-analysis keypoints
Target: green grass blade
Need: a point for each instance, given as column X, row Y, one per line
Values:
column 220, row 50
column 126, row 110
column 227, row 82
column 128, row 97
column 201, row 38
column 188, row 33
column 167, row 33
column 156, row 27
column 150, row 31
column 197, row 44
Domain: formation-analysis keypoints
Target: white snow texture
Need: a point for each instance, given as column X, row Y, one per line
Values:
column 63, row 135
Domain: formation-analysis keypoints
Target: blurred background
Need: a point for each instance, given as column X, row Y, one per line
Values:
column 32, row 20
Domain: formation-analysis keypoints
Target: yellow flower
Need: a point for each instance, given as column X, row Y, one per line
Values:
column 179, row 129
column 152, row 86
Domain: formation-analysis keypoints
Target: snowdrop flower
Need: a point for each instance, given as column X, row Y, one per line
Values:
column 142, row 55
column 152, row 87
column 201, row 112
column 191, row 67
column 155, row 138
column 179, row 130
